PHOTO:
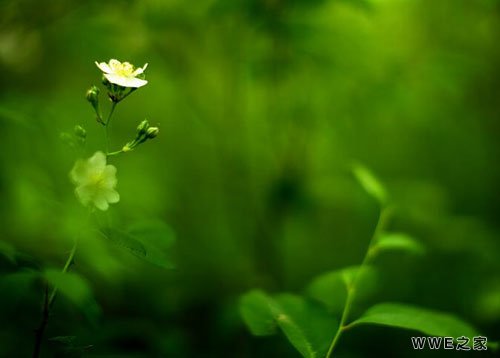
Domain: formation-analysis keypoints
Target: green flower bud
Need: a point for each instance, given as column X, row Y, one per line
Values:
column 93, row 95
column 152, row 132
column 142, row 128
column 80, row 132
column 127, row 147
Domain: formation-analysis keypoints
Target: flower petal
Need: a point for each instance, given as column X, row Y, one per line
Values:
column 137, row 82
column 101, row 203
column 79, row 171
column 137, row 72
column 97, row 162
column 112, row 196
column 140, row 70
column 109, row 176
column 84, row 194
column 125, row 81
column 103, row 66
column 113, row 64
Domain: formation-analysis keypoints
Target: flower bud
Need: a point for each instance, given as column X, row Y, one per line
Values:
column 93, row 95
column 80, row 132
column 142, row 127
column 152, row 132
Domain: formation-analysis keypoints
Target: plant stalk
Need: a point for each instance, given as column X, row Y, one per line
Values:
column 351, row 290
column 43, row 324
column 47, row 303
column 106, row 125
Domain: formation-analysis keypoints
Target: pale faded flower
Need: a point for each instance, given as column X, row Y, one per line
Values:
column 123, row 74
column 95, row 181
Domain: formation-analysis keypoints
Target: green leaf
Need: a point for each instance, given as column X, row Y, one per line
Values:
column 370, row 183
column 256, row 313
column 366, row 274
column 153, row 231
column 429, row 322
column 65, row 346
column 331, row 287
column 125, row 241
column 76, row 289
column 149, row 241
column 307, row 326
column 397, row 241
column 157, row 238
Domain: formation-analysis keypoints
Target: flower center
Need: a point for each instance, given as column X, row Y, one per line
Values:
column 97, row 179
column 124, row 69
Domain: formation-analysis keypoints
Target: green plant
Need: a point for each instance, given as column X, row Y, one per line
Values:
column 316, row 329
column 95, row 182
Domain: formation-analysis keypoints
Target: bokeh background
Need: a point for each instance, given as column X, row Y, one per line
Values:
column 263, row 105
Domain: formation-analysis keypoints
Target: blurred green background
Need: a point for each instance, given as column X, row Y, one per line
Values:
column 262, row 105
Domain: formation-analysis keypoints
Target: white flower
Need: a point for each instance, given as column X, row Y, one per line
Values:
column 95, row 181
column 123, row 74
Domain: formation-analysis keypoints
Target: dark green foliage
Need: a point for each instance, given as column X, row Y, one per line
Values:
column 307, row 326
column 148, row 240
column 284, row 128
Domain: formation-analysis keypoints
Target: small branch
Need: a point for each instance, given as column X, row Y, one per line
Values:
column 343, row 326
column 128, row 94
column 47, row 303
column 115, row 153
column 67, row 265
column 98, row 114
column 106, row 125
column 43, row 324
column 113, row 105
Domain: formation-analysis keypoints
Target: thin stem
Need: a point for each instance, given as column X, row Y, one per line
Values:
column 106, row 137
column 68, row 263
column 106, row 125
column 47, row 303
column 49, row 299
column 128, row 94
column 43, row 324
column 97, row 111
column 115, row 153
column 351, row 290
column 110, row 113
